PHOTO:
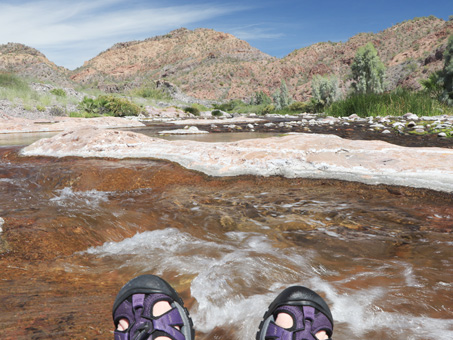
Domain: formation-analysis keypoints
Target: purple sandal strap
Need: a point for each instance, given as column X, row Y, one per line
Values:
column 306, row 324
column 142, row 323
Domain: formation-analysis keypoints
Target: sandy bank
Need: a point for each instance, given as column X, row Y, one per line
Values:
column 298, row 155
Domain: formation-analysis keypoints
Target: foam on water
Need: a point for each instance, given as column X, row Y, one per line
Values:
column 238, row 276
column 66, row 197
column 358, row 309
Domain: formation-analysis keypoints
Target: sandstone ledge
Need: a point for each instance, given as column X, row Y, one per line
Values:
column 292, row 156
column 9, row 124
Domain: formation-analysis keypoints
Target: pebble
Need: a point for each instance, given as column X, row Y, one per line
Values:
column 250, row 126
column 410, row 116
column 419, row 130
column 411, row 124
column 441, row 134
column 386, row 131
column 2, row 222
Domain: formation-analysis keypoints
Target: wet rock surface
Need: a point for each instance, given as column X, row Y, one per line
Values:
column 356, row 238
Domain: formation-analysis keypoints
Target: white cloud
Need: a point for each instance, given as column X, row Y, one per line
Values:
column 254, row 32
column 57, row 27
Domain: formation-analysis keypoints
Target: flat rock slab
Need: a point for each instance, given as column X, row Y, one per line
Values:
column 9, row 124
column 193, row 130
column 292, row 156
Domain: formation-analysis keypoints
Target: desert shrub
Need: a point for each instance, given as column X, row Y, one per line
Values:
column 433, row 85
column 217, row 113
column 103, row 104
column 58, row 92
column 57, row 111
column 367, row 71
column 260, row 98
column 232, row 105
column 193, row 110
column 10, row 80
column 199, row 107
column 298, row 107
column 150, row 91
column 40, row 108
column 12, row 87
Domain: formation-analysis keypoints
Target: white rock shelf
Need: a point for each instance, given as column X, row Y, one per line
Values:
column 193, row 130
column 292, row 156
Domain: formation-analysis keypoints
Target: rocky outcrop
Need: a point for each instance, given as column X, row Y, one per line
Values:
column 27, row 61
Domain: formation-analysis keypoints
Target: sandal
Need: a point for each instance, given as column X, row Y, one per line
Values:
column 135, row 302
column 308, row 310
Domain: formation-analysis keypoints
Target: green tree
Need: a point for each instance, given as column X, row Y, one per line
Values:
column 276, row 97
column 367, row 71
column 447, row 73
column 285, row 99
column 261, row 98
column 325, row 90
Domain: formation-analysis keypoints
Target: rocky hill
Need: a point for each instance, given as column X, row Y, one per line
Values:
column 207, row 64
column 201, row 62
column 29, row 62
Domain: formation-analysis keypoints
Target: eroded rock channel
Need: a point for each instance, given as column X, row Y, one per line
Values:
column 76, row 229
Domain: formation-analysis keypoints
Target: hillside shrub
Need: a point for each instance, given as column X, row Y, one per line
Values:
column 10, row 80
column 232, row 105
column 217, row 113
column 13, row 87
column 151, row 92
column 58, row 92
column 260, row 98
column 368, row 71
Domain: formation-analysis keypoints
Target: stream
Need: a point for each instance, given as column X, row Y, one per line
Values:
column 75, row 230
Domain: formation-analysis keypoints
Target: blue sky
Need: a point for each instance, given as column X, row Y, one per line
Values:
column 70, row 32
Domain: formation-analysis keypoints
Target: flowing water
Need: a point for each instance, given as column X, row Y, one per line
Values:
column 75, row 230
